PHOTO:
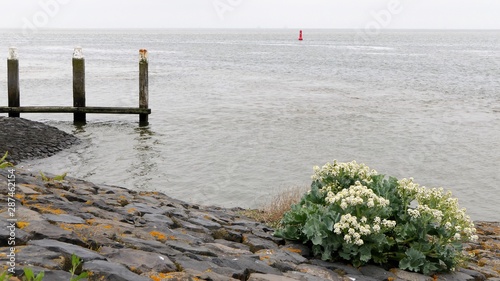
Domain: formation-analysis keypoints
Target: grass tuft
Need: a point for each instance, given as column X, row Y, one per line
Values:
column 273, row 210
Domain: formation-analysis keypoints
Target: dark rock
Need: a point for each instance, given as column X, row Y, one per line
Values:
column 477, row 275
column 455, row 276
column 268, row 277
column 205, row 223
column 195, row 249
column 255, row 243
column 295, row 275
column 139, row 261
column 39, row 256
column 189, row 226
column 64, row 218
column 144, row 209
column 149, row 246
column 159, row 219
column 245, row 265
column 318, row 271
column 111, row 271
column 25, row 139
column 228, row 235
column 61, row 247
column 410, row 276
column 376, row 272
column 339, row 268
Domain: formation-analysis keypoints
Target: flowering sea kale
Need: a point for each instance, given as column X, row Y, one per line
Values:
column 355, row 214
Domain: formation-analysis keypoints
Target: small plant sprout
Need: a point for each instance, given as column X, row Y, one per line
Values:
column 76, row 262
column 3, row 163
column 30, row 276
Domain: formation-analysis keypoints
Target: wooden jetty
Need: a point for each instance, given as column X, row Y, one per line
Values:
column 79, row 109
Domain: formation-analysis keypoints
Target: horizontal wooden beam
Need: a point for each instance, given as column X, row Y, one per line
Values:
column 69, row 109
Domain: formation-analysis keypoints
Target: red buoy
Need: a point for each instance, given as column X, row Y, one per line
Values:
column 300, row 35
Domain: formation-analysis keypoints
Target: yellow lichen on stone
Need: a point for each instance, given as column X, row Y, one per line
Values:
column 159, row 236
column 22, row 224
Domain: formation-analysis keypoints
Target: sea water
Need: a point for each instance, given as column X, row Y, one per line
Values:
column 240, row 115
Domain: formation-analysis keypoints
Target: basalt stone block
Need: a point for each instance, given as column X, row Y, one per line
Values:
column 144, row 209
column 455, row 276
column 64, row 218
column 69, row 249
column 477, row 275
column 268, row 277
column 205, row 223
column 111, row 271
column 338, row 267
column 232, row 244
column 256, row 243
column 318, row 271
column 300, row 249
column 227, row 234
column 139, row 261
column 195, row 249
column 45, row 230
column 222, row 250
column 158, row 219
column 207, row 276
column 243, row 266
column 295, row 275
column 281, row 257
column 190, row 226
column 376, row 272
column 149, row 246
column 405, row 275
column 10, row 232
column 39, row 256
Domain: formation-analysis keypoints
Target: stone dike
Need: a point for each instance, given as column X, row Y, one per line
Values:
column 25, row 139
column 122, row 234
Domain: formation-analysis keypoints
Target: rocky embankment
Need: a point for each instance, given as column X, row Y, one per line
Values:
column 127, row 235
column 25, row 139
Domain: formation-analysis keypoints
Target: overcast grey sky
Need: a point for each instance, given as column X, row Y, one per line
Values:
column 415, row 14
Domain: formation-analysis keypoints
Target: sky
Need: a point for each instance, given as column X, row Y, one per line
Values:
column 375, row 14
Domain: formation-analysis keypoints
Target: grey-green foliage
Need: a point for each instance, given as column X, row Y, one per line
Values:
column 355, row 214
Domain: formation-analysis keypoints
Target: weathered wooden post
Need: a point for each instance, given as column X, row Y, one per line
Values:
column 143, row 85
column 79, row 84
column 13, row 81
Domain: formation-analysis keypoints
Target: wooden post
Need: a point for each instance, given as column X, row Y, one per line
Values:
column 78, row 84
column 143, row 85
column 13, row 81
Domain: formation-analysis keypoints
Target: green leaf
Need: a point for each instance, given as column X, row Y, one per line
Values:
column 366, row 253
column 60, row 177
column 28, row 272
column 81, row 276
column 39, row 276
column 4, row 156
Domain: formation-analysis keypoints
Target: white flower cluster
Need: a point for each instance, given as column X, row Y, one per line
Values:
column 445, row 211
column 406, row 187
column 354, row 230
column 357, row 194
column 352, row 169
